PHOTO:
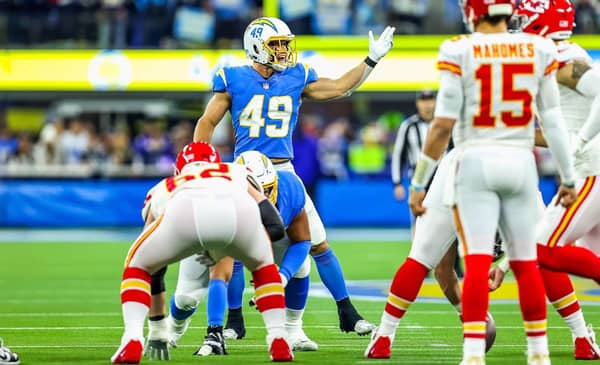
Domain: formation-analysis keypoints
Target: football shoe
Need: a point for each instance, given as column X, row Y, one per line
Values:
column 586, row 347
column 300, row 341
column 130, row 352
column 8, row 357
column 280, row 350
column 176, row 329
column 380, row 347
column 214, row 343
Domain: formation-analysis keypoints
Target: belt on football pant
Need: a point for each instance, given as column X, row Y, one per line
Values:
column 279, row 161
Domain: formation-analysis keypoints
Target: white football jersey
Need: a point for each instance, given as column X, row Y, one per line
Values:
column 576, row 108
column 500, row 76
column 214, row 176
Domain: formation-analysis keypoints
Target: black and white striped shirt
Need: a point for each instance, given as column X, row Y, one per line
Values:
column 408, row 145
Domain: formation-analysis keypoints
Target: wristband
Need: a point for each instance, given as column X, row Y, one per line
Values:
column 569, row 185
column 423, row 171
column 370, row 62
column 417, row 188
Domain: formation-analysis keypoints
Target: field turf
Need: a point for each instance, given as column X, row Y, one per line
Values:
column 59, row 304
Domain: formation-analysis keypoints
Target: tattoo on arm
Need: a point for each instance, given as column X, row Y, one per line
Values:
column 579, row 68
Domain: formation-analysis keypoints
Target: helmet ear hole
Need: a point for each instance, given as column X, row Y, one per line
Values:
column 255, row 49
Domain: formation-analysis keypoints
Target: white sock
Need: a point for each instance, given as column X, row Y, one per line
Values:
column 576, row 324
column 388, row 325
column 473, row 347
column 134, row 315
column 537, row 345
column 293, row 317
column 275, row 322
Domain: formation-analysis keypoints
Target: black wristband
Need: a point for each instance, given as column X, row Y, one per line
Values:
column 397, row 183
column 370, row 62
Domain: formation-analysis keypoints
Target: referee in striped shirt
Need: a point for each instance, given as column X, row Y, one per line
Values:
column 410, row 139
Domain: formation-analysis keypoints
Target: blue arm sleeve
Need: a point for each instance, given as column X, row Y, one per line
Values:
column 293, row 258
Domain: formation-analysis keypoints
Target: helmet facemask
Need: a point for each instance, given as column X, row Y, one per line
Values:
column 270, row 42
column 281, row 51
column 270, row 190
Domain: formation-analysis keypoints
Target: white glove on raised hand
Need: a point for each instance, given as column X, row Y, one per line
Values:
column 380, row 47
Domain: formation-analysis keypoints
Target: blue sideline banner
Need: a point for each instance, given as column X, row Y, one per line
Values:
column 118, row 203
column 72, row 203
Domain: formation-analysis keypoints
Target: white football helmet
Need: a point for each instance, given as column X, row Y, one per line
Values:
column 270, row 42
column 263, row 170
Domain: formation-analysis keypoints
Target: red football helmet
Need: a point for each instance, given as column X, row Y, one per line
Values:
column 195, row 152
column 474, row 9
column 552, row 19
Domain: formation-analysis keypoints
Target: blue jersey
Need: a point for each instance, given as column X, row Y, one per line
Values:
column 264, row 112
column 290, row 196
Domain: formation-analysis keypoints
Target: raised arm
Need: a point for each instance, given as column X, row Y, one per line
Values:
column 215, row 110
column 328, row 89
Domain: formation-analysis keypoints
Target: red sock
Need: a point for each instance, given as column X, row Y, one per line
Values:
column 570, row 259
column 135, row 286
column 532, row 299
column 405, row 287
column 268, row 289
column 560, row 292
column 475, row 295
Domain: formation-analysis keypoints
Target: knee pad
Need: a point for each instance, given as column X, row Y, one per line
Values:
column 304, row 270
column 157, row 281
column 185, row 302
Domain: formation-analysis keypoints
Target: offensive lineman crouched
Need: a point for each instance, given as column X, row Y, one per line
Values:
column 213, row 211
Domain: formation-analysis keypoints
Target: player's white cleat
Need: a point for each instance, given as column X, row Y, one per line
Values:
column 176, row 329
column 130, row 352
column 538, row 359
column 231, row 334
column 214, row 343
column 300, row 341
column 364, row 327
column 473, row 360
column 8, row 357
column 586, row 347
column 280, row 350
column 380, row 347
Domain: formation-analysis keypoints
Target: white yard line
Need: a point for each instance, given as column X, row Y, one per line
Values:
column 331, row 326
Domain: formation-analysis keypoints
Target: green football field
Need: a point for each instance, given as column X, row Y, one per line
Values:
column 59, row 304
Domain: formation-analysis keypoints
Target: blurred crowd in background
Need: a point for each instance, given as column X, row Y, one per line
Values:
column 220, row 23
column 337, row 149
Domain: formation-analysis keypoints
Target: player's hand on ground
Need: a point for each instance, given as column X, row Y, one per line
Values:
column 566, row 196
column 380, row 47
column 495, row 278
column 415, row 202
column 399, row 192
column 157, row 350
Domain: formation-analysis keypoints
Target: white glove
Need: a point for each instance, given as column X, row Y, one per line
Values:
column 379, row 48
column 205, row 259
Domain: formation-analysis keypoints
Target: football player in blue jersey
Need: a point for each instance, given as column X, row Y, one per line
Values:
column 264, row 99
column 286, row 192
